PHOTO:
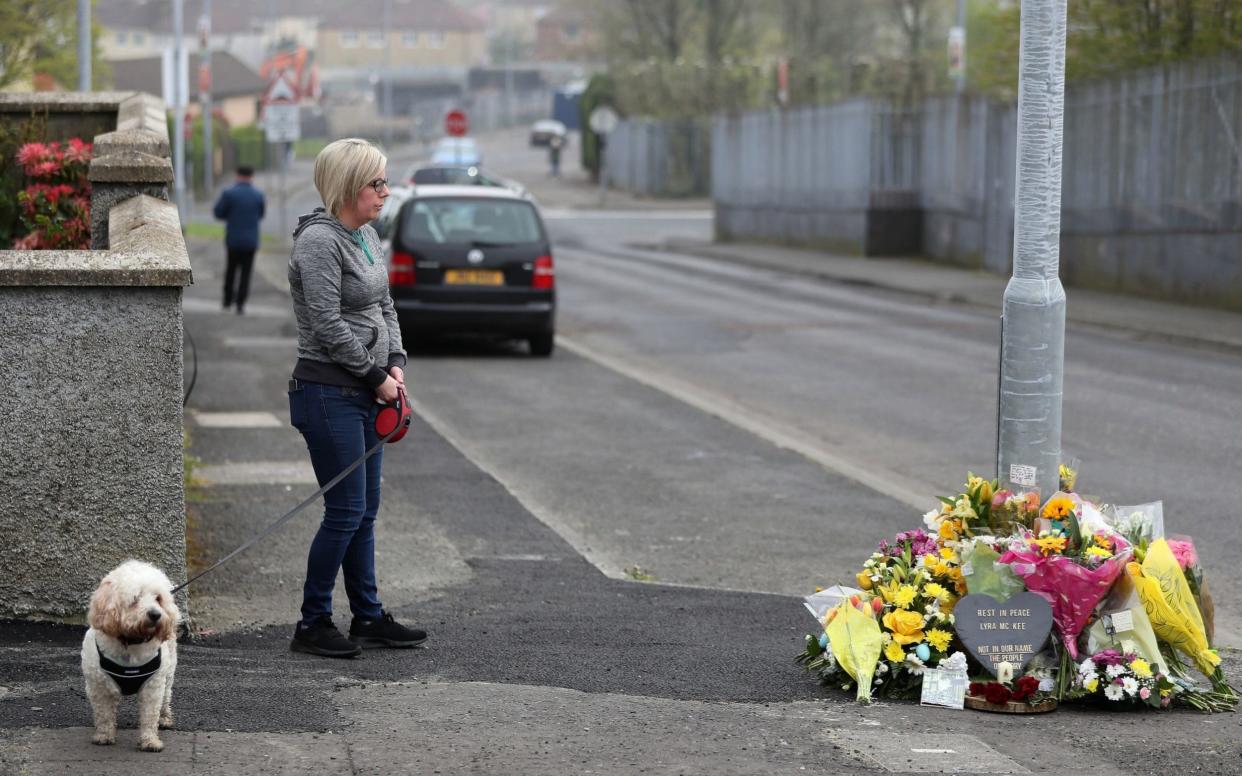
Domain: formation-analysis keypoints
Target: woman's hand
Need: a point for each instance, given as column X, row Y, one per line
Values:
column 398, row 375
column 387, row 392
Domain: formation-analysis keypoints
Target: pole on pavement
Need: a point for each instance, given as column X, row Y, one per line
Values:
column 283, row 149
column 960, row 80
column 204, row 97
column 178, row 91
column 601, row 145
column 387, row 75
column 84, row 45
column 1033, row 335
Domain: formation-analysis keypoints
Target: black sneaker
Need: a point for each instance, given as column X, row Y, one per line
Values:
column 384, row 632
column 322, row 638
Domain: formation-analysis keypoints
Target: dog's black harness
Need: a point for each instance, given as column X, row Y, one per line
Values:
column 129, row 678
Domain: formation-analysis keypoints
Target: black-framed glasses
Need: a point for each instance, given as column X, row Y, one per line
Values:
column 379, row 184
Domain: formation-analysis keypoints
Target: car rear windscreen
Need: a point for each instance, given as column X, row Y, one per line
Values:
column 470, row 221
column 439, row 175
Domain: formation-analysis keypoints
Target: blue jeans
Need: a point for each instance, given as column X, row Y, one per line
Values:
column 338, row 424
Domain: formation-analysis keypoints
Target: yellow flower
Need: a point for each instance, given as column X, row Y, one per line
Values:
column 949, row 530
column 1058, row 507
column 1067, row 476
column 889, row 591
column 864, row 580
column 979, row 488
column 939, row 639
column 1140, row 667
column 906, row 626
column 948, row 554
column 905, row 596
column 936, row 590
column 940, row 569
column 1050, row 544
column 894, row 652
column 1099, row 552
column 1092, row 684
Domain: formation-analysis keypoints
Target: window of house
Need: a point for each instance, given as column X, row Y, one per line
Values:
column 435, row 39
column 570, row 33
column 120, row 38
column 375, row 39
column 409, row 39
column 139, row 38
column 349, row 39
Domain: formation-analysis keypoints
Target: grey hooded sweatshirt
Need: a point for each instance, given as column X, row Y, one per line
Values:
column 347, row 327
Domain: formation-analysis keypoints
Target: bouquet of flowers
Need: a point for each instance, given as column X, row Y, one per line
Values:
column 1025, row 690
column 1123, row 678
column 909, row 589
column 1073, row 573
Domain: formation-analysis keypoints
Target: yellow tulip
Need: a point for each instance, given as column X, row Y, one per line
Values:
column 864, row 580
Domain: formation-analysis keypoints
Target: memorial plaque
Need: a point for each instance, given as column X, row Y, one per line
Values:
column 1009, row 631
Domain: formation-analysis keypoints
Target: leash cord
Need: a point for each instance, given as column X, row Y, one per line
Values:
column 194, row 377
column 288, row 515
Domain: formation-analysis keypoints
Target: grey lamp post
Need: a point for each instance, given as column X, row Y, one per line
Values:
column 1033, row 323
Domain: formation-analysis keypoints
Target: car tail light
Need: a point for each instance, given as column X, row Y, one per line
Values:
column 545, row 275
column 401, row 269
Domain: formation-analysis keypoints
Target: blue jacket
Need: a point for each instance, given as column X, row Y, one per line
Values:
column 241, row 207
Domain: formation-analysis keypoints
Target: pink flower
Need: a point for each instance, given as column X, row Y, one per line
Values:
column 998, row 500
column 1144, row 693
column 1184, row 551
column 31, row 153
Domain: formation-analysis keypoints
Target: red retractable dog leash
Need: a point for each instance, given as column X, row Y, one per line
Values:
column 392, row 422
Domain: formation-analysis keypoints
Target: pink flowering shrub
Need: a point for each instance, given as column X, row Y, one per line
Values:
column 56, row 203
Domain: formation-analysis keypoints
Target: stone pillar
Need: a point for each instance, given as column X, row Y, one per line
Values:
column 133, row 159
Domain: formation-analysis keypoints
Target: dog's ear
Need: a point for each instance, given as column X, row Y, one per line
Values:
column 172, row 615
column 105, row 611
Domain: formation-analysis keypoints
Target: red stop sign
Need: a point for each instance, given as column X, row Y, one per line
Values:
column 456, row 123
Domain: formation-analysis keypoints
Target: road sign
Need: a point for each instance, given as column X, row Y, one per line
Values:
column 456, row 123
column 281, row 122
column 603, row 120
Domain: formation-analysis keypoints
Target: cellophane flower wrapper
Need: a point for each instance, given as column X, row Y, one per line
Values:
column 818, row 604
column 1183, row 548
column 1140, row 639
column 1072, row 589
column 1171, row 606
column 856, row 643
column 984, row 575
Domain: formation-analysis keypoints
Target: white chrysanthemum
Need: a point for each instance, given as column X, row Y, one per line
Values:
column 1047, row 684
column 1113, row 692
column 1086, row 667
column 1130, row 685
column 1114, row 671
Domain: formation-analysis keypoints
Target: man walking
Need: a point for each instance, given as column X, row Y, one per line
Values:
column 241, row 207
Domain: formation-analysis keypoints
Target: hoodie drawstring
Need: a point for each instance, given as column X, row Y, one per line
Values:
column 363, row 244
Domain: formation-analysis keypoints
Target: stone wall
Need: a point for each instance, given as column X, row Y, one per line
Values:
column 91, row 370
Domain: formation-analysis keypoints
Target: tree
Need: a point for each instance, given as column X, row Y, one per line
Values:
column 680, row 58
column 1105, row 36
column 42, row 38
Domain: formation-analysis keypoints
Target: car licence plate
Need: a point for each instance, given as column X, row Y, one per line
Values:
column 474, row 277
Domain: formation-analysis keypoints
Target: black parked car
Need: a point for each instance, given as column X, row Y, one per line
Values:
column 472, row 259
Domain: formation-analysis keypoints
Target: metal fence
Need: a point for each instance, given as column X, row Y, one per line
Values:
column 660, row 158
column 1152, row 181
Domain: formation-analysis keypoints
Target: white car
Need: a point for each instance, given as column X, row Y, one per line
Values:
column 458, row 152
column 543, row 130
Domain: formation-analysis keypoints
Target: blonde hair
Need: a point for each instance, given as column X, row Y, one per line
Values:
column 342, row 168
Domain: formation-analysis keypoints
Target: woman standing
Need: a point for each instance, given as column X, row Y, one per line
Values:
column 349, row 355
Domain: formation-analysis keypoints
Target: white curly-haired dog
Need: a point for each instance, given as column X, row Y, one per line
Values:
column 131, row 648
